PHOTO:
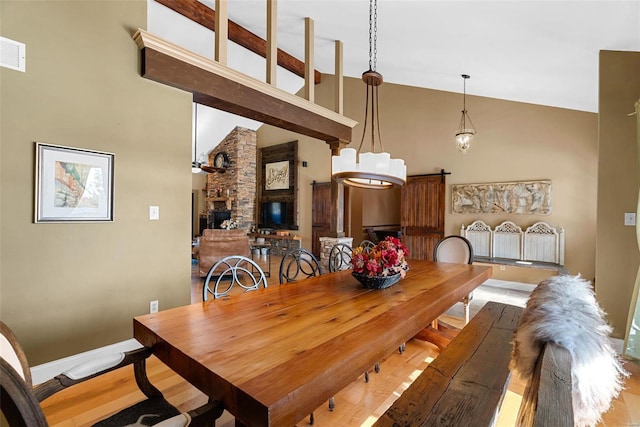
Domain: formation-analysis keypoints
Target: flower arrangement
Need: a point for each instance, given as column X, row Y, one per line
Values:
column 387, row 258
column 229, row 224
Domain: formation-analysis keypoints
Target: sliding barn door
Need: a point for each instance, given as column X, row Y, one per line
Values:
column 422, row 214
column 320, row 214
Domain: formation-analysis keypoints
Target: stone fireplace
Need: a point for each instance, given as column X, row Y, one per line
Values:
column 232, row 193
column 216, row 218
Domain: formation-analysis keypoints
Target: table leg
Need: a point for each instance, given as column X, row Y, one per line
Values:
column 268, row 272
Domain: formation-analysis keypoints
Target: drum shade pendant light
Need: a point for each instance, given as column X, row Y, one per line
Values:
column 373, row 170
column 465, row 134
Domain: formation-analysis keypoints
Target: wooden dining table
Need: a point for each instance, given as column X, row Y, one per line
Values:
column 274, row 355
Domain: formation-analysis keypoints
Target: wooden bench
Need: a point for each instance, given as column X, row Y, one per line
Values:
column 547, row 398
column 465, row 385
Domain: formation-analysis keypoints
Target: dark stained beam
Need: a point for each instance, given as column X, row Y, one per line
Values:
column 205, row 16
column 222, row 93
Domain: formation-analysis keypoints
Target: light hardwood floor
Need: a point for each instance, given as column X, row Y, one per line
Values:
column 359, row 404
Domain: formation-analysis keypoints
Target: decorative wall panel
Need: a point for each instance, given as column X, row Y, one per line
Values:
column 522, row 197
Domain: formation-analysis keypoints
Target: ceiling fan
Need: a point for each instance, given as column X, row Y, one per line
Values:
column 199, row 165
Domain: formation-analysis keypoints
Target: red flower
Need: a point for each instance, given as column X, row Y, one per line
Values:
column 387, row 258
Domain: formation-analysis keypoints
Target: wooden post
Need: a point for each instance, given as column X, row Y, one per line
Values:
column 336, row 226
column 222, row 31
column 337, row 189
column 339, row 84
column 309, row 84
column 272, row 44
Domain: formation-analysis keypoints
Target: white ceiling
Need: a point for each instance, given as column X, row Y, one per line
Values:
column 539, row 52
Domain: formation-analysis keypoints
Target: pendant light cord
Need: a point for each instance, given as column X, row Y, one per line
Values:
column 373, row 63
column 373, row 35
column 464, row 95
column 464, row 101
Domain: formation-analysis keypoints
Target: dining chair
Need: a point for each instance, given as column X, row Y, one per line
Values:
column 298, row 264
column 455, row 249
column 340, row 257
column 233, row 270
column 367, row 245
column 20, row 400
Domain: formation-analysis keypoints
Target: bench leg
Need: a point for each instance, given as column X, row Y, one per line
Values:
column 440, row 336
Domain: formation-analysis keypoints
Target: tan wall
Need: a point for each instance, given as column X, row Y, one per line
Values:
column 515, row 141
column 380, row 207
column 617, row 250
column 67, row 288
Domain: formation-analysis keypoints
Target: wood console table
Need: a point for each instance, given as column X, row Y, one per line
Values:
column 279, row 244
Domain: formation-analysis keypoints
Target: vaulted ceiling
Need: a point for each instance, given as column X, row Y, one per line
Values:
column 540, row 52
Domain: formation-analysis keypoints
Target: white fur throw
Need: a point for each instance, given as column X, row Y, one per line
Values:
column 563, row 309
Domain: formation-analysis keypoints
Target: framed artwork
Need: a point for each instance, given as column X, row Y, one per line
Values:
column 520, row 197
column 73, row 184
column 277, row 176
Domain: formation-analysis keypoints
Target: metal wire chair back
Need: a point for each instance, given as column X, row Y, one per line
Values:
column 232, row 270
column 340, row 257
column 298, row 264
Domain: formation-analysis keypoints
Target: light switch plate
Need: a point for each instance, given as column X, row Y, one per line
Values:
column 154, row 212
column 629, row 218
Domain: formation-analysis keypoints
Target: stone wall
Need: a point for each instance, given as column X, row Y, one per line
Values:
column 240, row 177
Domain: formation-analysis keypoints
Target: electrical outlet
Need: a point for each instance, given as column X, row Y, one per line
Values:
column 153, row 306
column 503, row 268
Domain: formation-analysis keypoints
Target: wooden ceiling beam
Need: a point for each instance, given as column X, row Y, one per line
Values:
column 205, row 16
column 223, row 88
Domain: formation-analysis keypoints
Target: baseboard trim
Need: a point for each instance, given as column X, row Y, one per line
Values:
column 46, row 371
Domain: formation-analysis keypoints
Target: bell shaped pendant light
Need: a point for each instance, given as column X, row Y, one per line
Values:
column 466, row 131
column 373, row 170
